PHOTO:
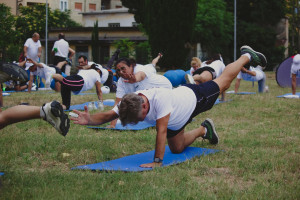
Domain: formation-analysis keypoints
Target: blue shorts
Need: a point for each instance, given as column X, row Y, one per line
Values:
column 206, row 93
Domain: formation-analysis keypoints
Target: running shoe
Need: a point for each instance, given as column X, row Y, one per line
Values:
column 189, row 79
column 211, row 133
column 257, row 58
column 55, row 115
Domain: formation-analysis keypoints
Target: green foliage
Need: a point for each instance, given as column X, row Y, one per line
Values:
column 95, row 43
column 168, row 25
column 293, row 10
column 214, row 27
column 256, row 22
column 143, row 52
column 126, row 46
column 33, row 19
column 7, row 32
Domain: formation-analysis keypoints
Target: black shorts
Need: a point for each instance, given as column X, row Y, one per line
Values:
column 206, row 94
column 74, row 83
column 209, row 69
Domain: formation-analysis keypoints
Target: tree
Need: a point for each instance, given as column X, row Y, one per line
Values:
column 95, row 43
column 256, row 22
column 33, row 19
column 214, row 27
column 7, row 32
column 126, row 47
column 169, row 26
column 293, row 14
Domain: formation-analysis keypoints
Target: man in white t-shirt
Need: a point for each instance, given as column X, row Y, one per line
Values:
column 33, row 48
column 62, row 51
column 82, row 81
column 172, row 110
column 41, row 70
column 252, row 74
column 139, row 77
column 295, row 72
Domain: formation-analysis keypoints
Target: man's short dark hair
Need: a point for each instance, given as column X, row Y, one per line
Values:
column 61, row 36
column 82, row 56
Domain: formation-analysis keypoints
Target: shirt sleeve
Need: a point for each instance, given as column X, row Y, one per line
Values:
column 26, row 43
column 39, row 42
column 120, row 88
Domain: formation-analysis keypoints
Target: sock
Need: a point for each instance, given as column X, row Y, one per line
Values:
column 205, row 132
column 42, row 114
column 248, row 55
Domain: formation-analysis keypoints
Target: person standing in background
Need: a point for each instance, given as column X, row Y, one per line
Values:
column 33, row 48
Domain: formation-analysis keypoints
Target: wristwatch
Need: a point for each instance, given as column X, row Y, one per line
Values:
column 158, row 160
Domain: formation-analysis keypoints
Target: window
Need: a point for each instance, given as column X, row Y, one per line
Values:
column 78, row 6
column 92, row 7
column 113, row 24
column 105, row 4
column 63, row 5
column 104, row 54
column 134, row 24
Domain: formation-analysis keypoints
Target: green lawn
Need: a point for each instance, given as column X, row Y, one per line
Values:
column 259, row 135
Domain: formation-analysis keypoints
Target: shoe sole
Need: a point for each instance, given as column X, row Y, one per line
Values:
column 263, row 59
column 57, row 111
column 214, row 130
column 14, row 71
column 187, row 79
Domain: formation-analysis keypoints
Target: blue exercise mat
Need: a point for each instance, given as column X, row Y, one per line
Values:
column 5, row 94
column 139, row 126
column 218, row 101
column 82, row 93
column 1, row 173
column 81, row 106
column 132, row 163
column 297, row 93
column 232, row 92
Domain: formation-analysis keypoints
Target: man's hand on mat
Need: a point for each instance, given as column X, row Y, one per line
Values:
column 83, row 117
column 151, row 165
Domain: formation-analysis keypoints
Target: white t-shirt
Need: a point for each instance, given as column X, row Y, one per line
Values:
column 104, row 71
column 32, row 49
column 90, row 77
column 218, row 66
column 180, row 102
column 62, row 48
column 46, row 73
column 150, row 67
column 192, row 70
column 295, row 68
column 151, row 81
column 247, row 77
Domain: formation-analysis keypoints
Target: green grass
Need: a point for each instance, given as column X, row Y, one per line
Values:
column 258, row 133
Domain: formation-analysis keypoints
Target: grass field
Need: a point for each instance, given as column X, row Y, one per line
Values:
column 259, row 135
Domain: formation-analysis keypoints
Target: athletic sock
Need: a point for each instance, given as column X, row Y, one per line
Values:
column 42, row 113
column 205, row 132
column 248, row 55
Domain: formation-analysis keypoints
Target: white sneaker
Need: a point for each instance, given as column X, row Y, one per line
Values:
column 54, row 114
column 189, row 79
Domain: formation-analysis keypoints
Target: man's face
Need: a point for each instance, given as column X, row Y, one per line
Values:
column 33, row 68
column 36, row 38
column 82, row 62
column 124, row 70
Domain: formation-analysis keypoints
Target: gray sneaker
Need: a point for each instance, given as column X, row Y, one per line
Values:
column 55, row 115
column 189, row 79
column 211, row 133
column 12, row 71
column 257, row 58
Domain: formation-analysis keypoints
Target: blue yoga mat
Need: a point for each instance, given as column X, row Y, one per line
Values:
column 139, row 126
column 81, row 106
column 232, row 92
column 132, row 163
column 1, row 173
column 85, row 93
column 297, row 93
column 5, row 94
column 218, row 101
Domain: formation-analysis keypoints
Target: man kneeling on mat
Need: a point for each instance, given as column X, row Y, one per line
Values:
column 172, row 110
